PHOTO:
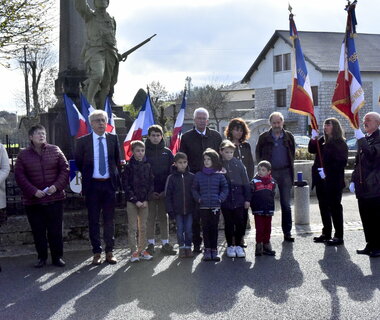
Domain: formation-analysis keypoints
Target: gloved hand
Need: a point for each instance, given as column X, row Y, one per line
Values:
column 321, row 173
column 352, row 187
column 314, row 134
column 359, row 134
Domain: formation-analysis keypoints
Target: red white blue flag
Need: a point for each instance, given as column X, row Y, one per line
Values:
column 139, row 127
column 175, row 141
column 77, row 123
column 86, row 110
column 302, row 97
column 111, row 122
column 348, row 96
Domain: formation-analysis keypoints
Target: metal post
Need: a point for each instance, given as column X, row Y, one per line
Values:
column 27, row 100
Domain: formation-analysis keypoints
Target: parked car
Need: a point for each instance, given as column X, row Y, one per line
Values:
column 352, row 144
column 301, row 141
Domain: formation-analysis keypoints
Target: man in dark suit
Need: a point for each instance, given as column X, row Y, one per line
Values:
column 97, row 157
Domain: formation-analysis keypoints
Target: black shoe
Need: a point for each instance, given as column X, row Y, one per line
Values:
column 288, row 238
column 322, row 238
column 335, row 242
column 150, row 249
column 375, row 254
column 365, row 251
column 40, row 263
column 197, row 249
column 167, row 249
column 59, row 262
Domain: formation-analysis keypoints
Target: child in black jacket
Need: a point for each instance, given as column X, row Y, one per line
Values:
column 180, row 203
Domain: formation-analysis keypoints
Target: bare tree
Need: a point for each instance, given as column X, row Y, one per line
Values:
column 40, row 67
column 159, row 95
column 212, row 99
column 24, row 22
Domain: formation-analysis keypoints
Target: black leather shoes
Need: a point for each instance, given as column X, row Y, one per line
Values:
column 365, row 251
column 322, row 238
column 59, row 262
column 40, row 263
column 375, row 254
column 335, row 242
column 288, row 238
column 197, row 249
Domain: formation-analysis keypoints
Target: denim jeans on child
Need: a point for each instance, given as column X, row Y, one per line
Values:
column 184, row 230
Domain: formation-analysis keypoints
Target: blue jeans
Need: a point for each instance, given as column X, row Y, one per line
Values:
column 184, row 230
column 284, row 181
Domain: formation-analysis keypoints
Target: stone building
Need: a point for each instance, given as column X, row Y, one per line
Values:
column 271, row 75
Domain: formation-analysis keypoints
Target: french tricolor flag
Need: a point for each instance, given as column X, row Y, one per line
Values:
column 139, row 127
column 302, row 98
column 86, row 110
column 77, row 123
column 111, row 122
column 175, row 141
column 348, row 96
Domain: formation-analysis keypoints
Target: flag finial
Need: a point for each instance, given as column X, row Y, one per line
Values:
column 290, row 8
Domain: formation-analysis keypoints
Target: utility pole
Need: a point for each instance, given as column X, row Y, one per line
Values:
column 27, row 99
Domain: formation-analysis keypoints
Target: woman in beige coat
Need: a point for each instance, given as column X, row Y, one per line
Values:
column 4, row 171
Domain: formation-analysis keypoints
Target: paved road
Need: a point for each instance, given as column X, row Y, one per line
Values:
column 304, row 281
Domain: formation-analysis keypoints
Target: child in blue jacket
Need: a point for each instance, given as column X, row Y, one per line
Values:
column 210, row 189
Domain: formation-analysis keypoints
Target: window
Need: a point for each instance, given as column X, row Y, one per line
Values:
column 282, row 62
column 278, row 63
column 314, row 91
column 287, row 64
column 280, row 98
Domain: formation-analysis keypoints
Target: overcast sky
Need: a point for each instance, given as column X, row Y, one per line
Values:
column 207, row 40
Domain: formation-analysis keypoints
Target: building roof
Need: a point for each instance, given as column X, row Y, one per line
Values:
column 236, row 86
column 322, row 50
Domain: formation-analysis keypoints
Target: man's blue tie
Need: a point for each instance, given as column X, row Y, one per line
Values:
column 102, row 159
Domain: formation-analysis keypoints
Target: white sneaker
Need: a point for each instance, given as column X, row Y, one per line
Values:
column 144, row 255
column 135, row 257
column 240, row 252
column 231, row 252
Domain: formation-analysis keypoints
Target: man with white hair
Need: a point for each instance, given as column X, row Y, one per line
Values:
column 365, row 182
column 194, row 142
column 97, row 157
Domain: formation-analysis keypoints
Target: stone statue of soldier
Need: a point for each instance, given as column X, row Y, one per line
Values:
column 100, row 54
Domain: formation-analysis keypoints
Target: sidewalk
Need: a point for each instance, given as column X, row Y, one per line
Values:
column 350, row 212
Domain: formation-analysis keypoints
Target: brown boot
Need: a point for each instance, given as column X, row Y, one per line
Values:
column 189, row 253
column 97, row 259
column 182, row 253
column 110, row 258
column 259, row 249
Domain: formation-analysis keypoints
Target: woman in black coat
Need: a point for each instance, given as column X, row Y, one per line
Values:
column 328, row 178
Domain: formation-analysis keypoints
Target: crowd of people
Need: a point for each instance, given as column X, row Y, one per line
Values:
column 208, row 177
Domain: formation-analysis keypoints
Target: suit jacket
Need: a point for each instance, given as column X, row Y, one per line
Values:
column 84, row 158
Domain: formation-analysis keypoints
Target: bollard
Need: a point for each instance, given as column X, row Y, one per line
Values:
column 301, row 201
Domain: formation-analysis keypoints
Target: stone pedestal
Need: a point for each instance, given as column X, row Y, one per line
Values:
column 301, row 205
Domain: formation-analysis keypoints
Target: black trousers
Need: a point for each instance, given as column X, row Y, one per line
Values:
column 369, row 210
column 46, row 223
column 210, row 221
column 331, row 209
column 196, row 228
column 101, row 199
column 234, row 225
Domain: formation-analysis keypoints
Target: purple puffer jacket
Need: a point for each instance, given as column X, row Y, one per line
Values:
column 36, row 172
